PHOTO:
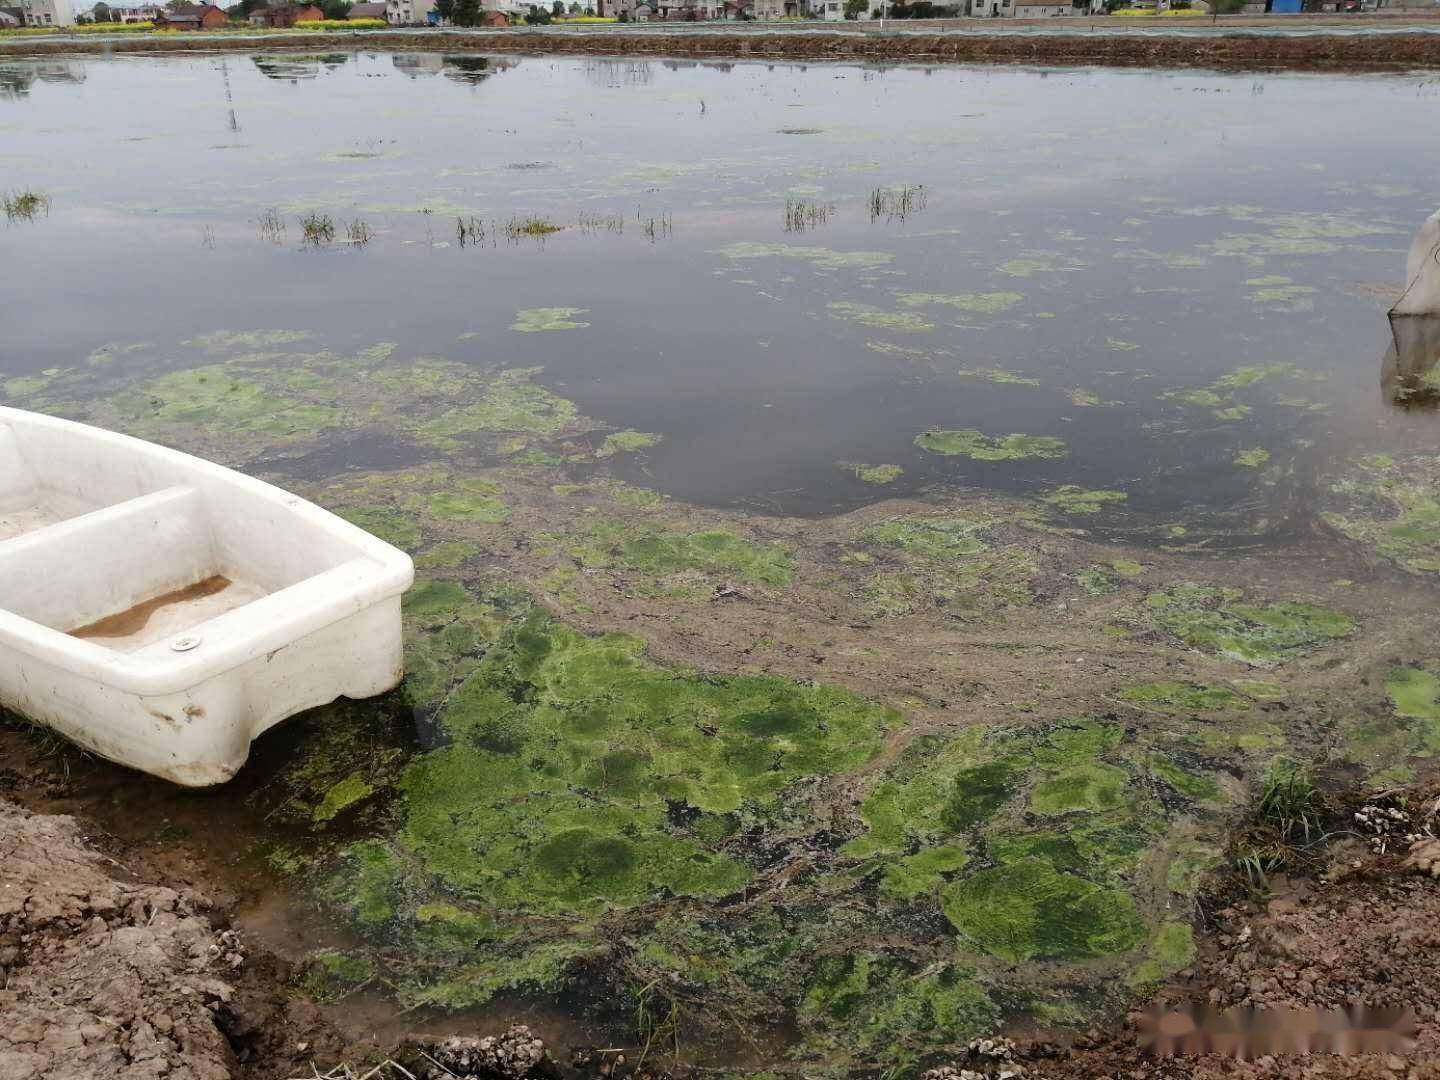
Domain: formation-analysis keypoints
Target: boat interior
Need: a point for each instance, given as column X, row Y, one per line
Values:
column 127, row 553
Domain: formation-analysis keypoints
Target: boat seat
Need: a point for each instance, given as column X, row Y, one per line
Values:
column 85, row 568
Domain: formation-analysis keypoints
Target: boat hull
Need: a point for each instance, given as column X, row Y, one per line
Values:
column 163, row 612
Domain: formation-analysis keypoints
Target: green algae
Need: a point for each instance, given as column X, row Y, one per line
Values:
column 1171, row 948
column 1385, row 744
column 1261, row 635
column 821, row 257
column 447, row 555
column 891, row 594
column 924, row 872
column 998, row 375
column 1073, row 499
column 1093, row 786
column 992, row 303
column 1029, row 910
column 510, row 401
column 367, row 882
column 617, row 545
column 1254, row 458
column 937, row 536
column 534, row 320
column 212, row 395
column 344, row 794
column 465, row 500
column 972, row 443
column 1191, row 785
column 872, row 1008
column 1030, row 263
column 1127, row 568
column 392, row 526
column 1116, row 345
column 1184, row 697
column 872, row 474
column 628, row 441
column 880, row 319
column 221, row 341
column 1393, row 508
column 331, row 975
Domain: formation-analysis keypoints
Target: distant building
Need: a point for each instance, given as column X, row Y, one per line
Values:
column 1042, row 9
column 409, row 12
column 282, row 16
column 47, row 13
column 367, row 11
column 208, row 17
column 7, row 19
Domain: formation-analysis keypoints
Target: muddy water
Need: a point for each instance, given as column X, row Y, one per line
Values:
column 698, row 353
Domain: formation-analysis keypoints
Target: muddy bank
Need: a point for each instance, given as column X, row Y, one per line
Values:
column 1318, row 52
column 106, row 973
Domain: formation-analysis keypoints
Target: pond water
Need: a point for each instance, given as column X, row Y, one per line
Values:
column 631, row 338
column 1091, row 252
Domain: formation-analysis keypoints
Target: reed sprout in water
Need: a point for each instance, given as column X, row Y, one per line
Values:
column 317, row 229
column 272, row 226
column 897, row 203
column 25, row 205
column 802, row 214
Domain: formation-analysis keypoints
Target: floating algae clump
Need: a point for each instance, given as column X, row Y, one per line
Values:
column 1073, row 499
column 611, row 544
column 1262, row 635
column 982, row 303
column 821, row 257
column 353, row 789
column 627, row 441
column 215, row 396
column 1029, row 909
column 1392, row 506
column 508, row 402
column 971, row 443
column 872, row 474
column 1253, row 458
column 531, row 320
column 879, row 318
column 948, row 558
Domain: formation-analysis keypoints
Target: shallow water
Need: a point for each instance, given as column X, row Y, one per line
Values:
column 1160, row 229
column 1155, row 301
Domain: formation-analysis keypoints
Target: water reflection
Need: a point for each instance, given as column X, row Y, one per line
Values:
column 17, row 79
column 1408, row 373
column 295, row 68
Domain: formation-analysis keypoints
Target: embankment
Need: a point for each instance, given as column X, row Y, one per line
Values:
column 1319, row 51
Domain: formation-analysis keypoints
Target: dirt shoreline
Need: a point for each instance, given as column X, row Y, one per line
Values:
column 1320, row 52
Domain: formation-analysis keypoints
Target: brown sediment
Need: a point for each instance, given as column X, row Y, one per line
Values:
column 133, row 620
column 1384, row 51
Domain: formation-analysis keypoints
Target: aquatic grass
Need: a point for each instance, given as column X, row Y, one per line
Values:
column 358, row 232
column 25, row 205
column 472, row 232
column 896, row 203
column 271, row 225
column 529, row 227
column 592, row 223
column 317, row 229
column 803, row 214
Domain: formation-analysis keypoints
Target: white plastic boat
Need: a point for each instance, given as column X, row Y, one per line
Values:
column 163, row 611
